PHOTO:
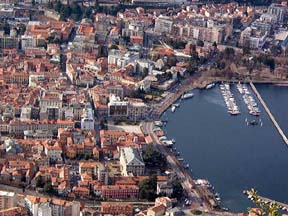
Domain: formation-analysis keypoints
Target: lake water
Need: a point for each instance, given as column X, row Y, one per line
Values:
column 227, row 152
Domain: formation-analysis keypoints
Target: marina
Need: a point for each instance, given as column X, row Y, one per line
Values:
column 248, row 99
column 249, row 150
column 229, row 99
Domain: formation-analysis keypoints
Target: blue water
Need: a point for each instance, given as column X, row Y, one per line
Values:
column 227, row 152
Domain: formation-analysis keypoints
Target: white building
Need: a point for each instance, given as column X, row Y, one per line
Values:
column 87, row 119
column 137, row 110
column 131, row 162
column 28, row 41
column 279, row 11
column 44, row 210
column 121, row 59
column 7, row 200
column 53, row 152
column 26, row 113
column 117, row 108
column 163, row 24
column 37, row 206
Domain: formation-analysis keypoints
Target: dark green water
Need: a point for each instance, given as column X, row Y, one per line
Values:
column 227, row 152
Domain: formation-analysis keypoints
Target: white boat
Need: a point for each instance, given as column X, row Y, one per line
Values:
column 187, row 95
column 210, row 86
column 173, row 108
column 162, row 138
column 158, row 123
column 167, row 142
column 176, row 105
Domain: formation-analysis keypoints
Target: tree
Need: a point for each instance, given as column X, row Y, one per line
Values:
column 265, row 209
column 148, row 188
column 21, row 29
column 4, row 26
column 229, row 52
column 276, row 50
column 88, row 12
column 191, row 68
column 200, row 43
column 246, row 50
column 76, row 11
column 23, row 178
column 177, row 190
column 153, row 158
column 171, row 61
column 113, row 46
column 58, row 6
column 145, row 72
column 39, row 181
column 48, row 188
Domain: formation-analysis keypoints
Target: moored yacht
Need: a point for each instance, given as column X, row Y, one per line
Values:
column 173, row 108
column 187, row 95
column 211, row 85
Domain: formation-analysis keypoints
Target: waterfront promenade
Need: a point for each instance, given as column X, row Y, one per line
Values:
column 167, row 102
column 277, row 126
column 201, row 197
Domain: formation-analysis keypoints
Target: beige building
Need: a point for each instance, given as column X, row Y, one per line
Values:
column 163, row 24
column 131, row 162
column 7, row 200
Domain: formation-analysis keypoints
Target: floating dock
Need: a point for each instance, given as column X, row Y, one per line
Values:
column 277, row 126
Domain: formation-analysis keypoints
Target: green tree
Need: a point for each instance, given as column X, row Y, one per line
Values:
column 200, row 43
column 229, row 52
column 171, row 61
column 145, row 72
column 154, row 159
column 39, row 181
column 191, row 68
column 265, row 209
column 177, row 190
column 113, row 46
column 246, row 50
column 147, row 188
column 276, row 50
column 21, row 29
column 58, row 6
column 48, row 188
column 88, row 12
column 23, row 178
column 4, row 26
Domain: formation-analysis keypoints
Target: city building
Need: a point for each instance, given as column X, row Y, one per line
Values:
column 117, row 108
column 120, row 191
column 131, row 161
column 163, row 24
column 7, row 200
column 279, row 11
column 37, row 206
column 87, row 119
column 252, row 38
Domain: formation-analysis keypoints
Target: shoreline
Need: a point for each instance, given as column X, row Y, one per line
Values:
column 285, row 84
column 206, row 197
column 190, row 84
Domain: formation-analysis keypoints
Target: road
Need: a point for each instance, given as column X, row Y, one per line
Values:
column 186, row 180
